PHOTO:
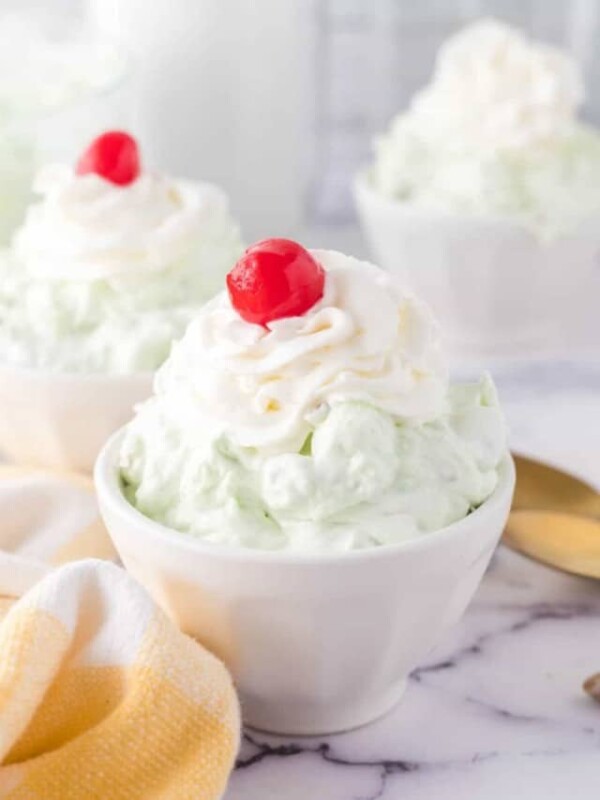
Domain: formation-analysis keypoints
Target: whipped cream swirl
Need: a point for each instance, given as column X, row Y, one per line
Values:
column 86, row 228
column 495, row 134
column 494, row 89
column 103, row 278
column 366, row 340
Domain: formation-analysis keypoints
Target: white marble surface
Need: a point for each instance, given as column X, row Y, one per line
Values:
column 497, row 711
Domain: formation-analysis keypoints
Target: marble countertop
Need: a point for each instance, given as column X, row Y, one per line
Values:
column 497, row 711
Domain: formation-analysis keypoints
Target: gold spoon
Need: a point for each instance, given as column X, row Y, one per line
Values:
column 542, row 487
column 555, row 519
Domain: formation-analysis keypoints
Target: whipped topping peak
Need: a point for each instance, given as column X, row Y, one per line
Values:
column 493, row 88
column 86, row 228
column 366, row 340
column 495, row 135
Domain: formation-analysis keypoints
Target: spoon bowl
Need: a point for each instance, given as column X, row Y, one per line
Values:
column 569, row 542
column 543, row 487
column 555, row 519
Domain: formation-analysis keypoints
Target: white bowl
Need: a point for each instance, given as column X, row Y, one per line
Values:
column 497, row 289
column 61, row 420
column 316, row 644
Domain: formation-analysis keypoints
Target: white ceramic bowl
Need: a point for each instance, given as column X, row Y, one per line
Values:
column 61, row 420
column 497, row 290
column 316, row 644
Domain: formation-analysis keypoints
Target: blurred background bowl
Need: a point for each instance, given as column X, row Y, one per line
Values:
column 60, row 420
column 496, row 288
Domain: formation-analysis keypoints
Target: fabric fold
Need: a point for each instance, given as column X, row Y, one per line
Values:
column 100, row 695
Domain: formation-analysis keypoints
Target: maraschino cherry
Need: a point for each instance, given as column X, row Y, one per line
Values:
column 114, row 156
column 275, row 278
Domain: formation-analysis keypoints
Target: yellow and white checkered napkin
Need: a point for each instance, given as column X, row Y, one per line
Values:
column 100, row 695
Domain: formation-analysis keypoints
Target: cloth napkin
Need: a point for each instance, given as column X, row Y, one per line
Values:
column 100, row 695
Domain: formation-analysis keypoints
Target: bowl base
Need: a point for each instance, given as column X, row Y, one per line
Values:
column 278, row 722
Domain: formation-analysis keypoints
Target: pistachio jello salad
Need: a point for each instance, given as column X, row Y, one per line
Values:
column 496, row 133
column 111, row 263
column 308, row 408
column 485, row 194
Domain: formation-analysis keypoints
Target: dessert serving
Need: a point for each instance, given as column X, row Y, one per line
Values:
column 305, row 492
column 496, row 133
column 490, row 178
column 106, row 271
column 311, row 418
column 110, row 264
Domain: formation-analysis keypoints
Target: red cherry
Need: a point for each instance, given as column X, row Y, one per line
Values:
column 114, row 156
column 275, row 278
